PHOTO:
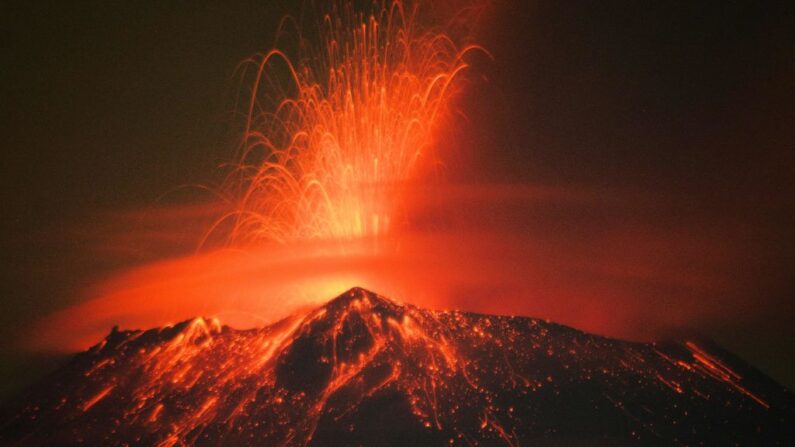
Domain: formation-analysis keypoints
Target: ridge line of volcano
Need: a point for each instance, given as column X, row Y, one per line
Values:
column 363, row 369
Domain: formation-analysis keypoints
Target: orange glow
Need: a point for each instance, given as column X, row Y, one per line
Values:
column 98, row 397
column 337, row 133
column 332, row 189
column 474, row 269
column 715, row 368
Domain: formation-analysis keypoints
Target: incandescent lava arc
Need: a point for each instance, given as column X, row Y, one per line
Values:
column 338, row 130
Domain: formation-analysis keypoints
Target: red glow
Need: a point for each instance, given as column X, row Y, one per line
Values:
column 331, row 190
column 634, row 281
column 337, row 133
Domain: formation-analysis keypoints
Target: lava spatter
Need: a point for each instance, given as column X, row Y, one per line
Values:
column 365, row 370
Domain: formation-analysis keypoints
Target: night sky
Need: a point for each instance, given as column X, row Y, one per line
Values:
column 686, row 107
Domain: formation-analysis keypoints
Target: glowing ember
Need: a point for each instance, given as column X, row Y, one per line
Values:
column 338, row 129
column 365, row 370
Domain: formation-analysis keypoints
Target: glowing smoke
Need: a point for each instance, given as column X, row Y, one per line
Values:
column 338, row 142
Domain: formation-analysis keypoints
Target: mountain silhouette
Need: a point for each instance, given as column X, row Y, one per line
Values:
column 364, row 370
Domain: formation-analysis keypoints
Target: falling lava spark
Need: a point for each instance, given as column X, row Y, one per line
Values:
column 331, row 153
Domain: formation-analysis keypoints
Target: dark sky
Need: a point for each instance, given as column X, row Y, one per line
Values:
column 109, row 104
column 688, row 106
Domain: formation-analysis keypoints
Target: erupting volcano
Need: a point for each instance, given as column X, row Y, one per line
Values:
column 365, row 370
column 342, row 135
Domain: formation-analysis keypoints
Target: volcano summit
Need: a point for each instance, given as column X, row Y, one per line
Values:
column 365, row 370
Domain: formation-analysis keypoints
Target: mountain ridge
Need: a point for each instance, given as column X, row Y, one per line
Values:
column 366, row 370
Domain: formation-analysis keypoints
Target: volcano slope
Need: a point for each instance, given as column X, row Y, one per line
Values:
column 364, row 370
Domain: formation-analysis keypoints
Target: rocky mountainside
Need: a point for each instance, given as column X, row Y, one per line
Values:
column 365, row 370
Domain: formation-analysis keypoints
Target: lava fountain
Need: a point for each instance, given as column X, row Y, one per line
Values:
column 338, row 137
column 337, row 130
column 332, row 186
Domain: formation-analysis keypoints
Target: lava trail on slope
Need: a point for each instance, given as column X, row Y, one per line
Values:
column 365, row 370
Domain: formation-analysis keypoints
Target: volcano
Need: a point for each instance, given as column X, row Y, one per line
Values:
column 367, row 371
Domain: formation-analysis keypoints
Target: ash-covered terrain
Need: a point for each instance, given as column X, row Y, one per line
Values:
column 366, row 371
